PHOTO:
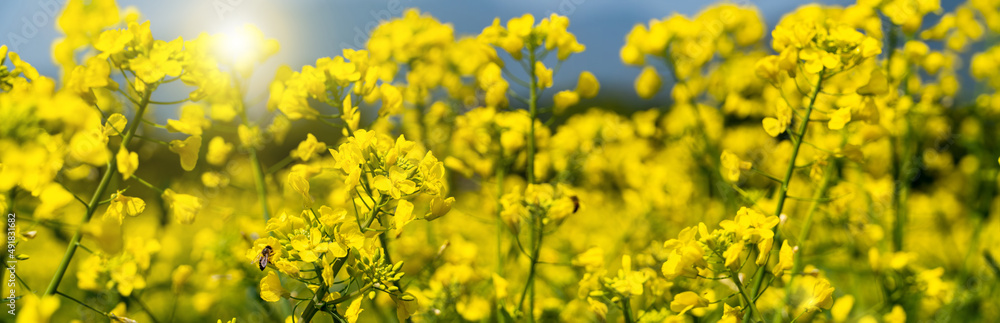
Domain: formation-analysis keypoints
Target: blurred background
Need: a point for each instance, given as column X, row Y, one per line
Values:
column 308, row 30
column 311, row 29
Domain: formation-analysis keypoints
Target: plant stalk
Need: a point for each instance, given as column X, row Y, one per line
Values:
column 96, row 198
column 783, row 194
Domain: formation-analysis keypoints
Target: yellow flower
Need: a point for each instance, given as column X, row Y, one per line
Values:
column 112, row 41
column 731, row 314
column 180, row 275
column 392, row 100
column 310, row 245
column 214, row 179
column 587, row 85
column 94, row 74
column 629, row 282
column 785, row 259
column 648, row 83
column 218, row 151
column 249, row 136
column 159, row 61
column 897, row 315
column 22, row 67
column 686, row 301
column 592, row 259
column 543, row 75
column 839, row 118
column 473, row 308
column 122, row 205
column 777, row 125
column 127, row 278
column 822, row 296
column 496, row 95
column 732, row 165
column 500, row 286
column 397, row 184
column 686, row 255
column 270, row 288
column 298, row 181
column 563, row 100
column 403, row 216
column 89, row 271
column 439, row 207
column 128, row 162
column 878, row 84
column 597, row 307
column 115, row 125
column 732, row 254
column 191, row 122
column 34, row 309
column 188, row 150
column 354, row 310
column 842, row 308
column 183, row 207
column 88, row 146
column 308, row 148
column 521, row 26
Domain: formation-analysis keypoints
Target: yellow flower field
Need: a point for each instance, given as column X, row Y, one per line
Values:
column 839, row 166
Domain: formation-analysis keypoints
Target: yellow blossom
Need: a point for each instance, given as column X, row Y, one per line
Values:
column 500, row 286
column 308, row 148
column 785, row 260
column 128, row 162
column 563, row 100
column 686, row 301
column 822, row 296
column 188, row 150
column 587, row 85
column 270, row 288
column 353, row 310
column 122, row 205
column 839, row 118
column 218, row 151
column 183, row 207
column 191, row 122
column 543, row 75
column 439, row 207
column 403, row 216
column 648, row 83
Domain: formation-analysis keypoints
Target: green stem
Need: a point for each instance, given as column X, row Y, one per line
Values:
column 499, row 205
column 536, row 238
column 500, row 170
column 95, row 199
column 749, row 300
column 260, row 182
column 804, row 233
column 900, row 157
column 83, row 304
column 533, row 110
column 147, row 184
column 145, row 309
column 627, row 310
column 388, row 259
column 536, row 246
column 783, row 194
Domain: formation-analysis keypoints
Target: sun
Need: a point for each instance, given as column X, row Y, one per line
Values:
column 238, row 44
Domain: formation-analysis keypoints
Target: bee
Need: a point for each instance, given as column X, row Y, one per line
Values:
column 263, row 258
column 576, row 203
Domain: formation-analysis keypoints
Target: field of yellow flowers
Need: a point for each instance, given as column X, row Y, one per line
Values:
column 840, row 166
